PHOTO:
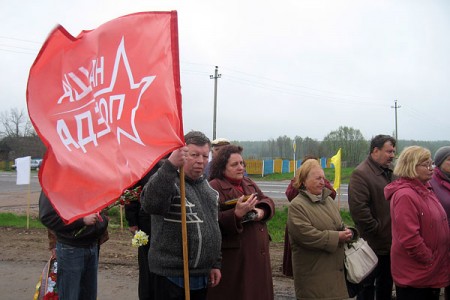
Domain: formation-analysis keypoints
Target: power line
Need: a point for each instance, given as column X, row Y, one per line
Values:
column 291, row 91
column 9, row 44
column 21, row 40
column 295, row 90
column 15, row 51
column 17, row 47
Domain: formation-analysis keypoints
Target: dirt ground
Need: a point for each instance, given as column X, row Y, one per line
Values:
column 25, row 252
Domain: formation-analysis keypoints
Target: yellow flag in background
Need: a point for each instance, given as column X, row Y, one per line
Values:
column 336, row 161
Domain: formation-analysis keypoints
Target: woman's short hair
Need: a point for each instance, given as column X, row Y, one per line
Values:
column 305, row 158
column 219, row 163
column 303, row 172
column 409, row 159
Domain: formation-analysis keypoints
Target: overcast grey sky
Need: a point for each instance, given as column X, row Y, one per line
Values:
column 295, row 68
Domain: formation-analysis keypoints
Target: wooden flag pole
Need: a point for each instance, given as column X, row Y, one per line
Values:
column 184, row 235
column 121, row 216
column 28, row 205
column 339, row 197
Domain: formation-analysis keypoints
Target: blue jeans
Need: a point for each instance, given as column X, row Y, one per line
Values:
column 77, row 272
column 164, row 289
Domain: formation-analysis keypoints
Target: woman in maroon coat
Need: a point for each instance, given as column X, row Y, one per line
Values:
column 246, row 269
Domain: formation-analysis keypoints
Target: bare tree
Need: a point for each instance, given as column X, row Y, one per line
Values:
column 15, row 123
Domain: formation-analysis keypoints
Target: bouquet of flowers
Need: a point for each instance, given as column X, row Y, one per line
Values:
column 127, row 196
column 46, row 287
column 130, row 195
column 140, row 238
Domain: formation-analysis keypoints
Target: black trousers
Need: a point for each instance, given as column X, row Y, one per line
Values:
column 144, row 286
column 164, row 289
column 409, row 293
column 378, row 285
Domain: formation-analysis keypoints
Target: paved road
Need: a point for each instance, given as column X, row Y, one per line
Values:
column 273, row 189
column 276, row 190
column 16, row 198
column 8, row 182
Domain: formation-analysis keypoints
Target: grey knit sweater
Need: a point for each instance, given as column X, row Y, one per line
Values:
column 161, row 198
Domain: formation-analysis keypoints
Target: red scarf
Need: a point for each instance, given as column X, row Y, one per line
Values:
column 237, row 183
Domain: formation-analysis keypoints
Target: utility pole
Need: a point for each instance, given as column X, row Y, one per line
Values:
column 396, row 107
column 294, row 147
column 215, row 77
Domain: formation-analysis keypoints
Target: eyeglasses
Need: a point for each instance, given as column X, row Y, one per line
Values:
column 428, row 165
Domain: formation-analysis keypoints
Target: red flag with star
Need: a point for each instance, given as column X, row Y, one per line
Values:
column 107, row 105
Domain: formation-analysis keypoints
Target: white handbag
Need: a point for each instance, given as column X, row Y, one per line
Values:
column 360, row 260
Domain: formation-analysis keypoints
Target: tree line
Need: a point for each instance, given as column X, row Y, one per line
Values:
column 18, row 138
column 355, row 147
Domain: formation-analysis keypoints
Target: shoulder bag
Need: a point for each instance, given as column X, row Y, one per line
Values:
column 360, row 260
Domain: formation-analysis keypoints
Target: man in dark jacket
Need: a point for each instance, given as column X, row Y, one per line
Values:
column 138, row 219
column 77, row 249
column 371, row 214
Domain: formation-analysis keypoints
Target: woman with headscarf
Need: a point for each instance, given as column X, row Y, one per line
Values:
column 441, row 185
column 246, row 269
column 420, row 231
column 317, row 235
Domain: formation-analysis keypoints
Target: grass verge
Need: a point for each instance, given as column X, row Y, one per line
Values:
column 20, row 221
column 276, row 225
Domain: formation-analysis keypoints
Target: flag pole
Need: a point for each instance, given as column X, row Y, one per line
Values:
column 339, row 198
column 28, row 206
column 336, row 161
column 184, row 235
column 121, row 216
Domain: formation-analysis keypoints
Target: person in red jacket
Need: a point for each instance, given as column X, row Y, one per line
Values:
column 420, row 233
column 291, row 193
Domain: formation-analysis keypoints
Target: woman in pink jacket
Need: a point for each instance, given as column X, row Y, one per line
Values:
column 420, row 232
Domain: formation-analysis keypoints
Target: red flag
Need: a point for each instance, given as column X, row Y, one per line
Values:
column 107, row 105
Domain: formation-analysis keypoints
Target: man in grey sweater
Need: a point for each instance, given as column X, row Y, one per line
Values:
column 161, row 198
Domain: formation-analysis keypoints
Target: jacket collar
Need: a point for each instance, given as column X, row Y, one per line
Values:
column 378, row 169
column 441, row 178
column 194, row 181
column 441, row 175
column 325, row 194
column 421, row 188
column 225, row 185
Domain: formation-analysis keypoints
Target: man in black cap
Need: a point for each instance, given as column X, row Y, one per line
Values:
column 215, row 147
